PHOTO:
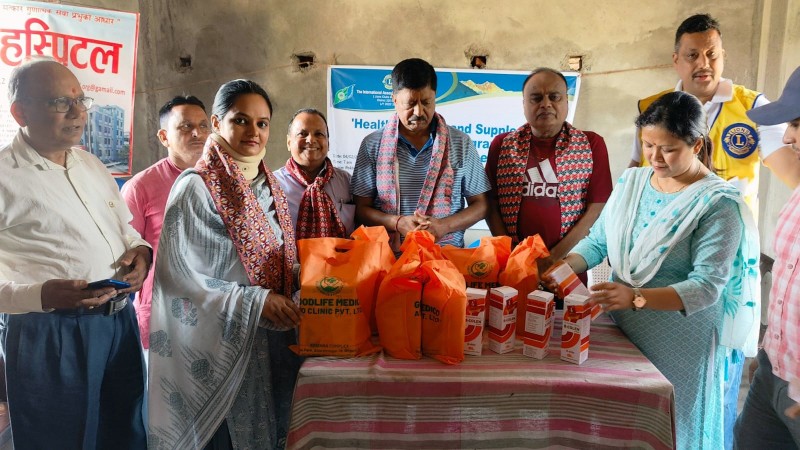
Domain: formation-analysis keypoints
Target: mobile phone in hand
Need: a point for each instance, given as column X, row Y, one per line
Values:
column 116, row 284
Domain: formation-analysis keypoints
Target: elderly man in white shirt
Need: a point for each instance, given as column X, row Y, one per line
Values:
column 74, row 369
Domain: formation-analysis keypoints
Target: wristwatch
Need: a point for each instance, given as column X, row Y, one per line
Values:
column 638, row 299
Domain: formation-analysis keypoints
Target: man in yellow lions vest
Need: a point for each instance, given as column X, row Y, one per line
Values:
column 738, row 144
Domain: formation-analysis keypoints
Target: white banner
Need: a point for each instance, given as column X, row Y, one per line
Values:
column 99, row 46
column 482, row 103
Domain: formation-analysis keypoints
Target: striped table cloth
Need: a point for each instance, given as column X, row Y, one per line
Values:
column 615, row 399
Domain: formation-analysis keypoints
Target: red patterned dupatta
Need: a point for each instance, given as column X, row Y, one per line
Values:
column 573, row 168
column 317, row 215
column 267, row 263
column 437, row 190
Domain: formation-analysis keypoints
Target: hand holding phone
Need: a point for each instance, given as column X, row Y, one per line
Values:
column 110, row 282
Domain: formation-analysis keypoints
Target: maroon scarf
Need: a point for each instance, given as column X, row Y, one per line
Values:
column 573, row 168
column 317, row 215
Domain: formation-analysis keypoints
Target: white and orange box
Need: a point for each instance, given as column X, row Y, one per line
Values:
column 502, row 318
column 539, row 316
column 575, row 328
column 476, row 311
column 569, row 283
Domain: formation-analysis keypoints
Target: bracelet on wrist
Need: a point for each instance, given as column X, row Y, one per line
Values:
column 397, row 224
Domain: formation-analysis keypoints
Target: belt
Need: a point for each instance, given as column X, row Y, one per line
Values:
column 108, row 308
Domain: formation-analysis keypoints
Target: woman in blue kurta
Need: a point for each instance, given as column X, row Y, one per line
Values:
column 679, row 239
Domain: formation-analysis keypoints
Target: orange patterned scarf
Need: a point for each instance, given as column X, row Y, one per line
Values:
column 267, row 263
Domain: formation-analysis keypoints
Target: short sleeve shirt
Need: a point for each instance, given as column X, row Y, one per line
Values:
column 469, row 178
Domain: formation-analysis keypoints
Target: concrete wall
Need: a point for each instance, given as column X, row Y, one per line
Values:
column 626, row 44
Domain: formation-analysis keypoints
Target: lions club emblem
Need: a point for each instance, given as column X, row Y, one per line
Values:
column 739, row 140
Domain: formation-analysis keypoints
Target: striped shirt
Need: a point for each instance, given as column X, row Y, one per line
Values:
column 782, row 340
column 469, row 178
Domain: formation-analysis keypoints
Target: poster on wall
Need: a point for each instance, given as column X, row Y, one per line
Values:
column 482, row 103
column 99, row 46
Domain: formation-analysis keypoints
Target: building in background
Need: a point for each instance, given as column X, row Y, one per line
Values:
column 106, row 137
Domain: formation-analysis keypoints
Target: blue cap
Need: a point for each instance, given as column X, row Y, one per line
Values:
column 785, row 109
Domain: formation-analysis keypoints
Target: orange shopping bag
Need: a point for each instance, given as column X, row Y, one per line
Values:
column 426, row 245
column 397, row 308
column 522, row 273
column 334, row 276
column 385, row 260
column 444, row 305
column 481, row 265
column 502, row 248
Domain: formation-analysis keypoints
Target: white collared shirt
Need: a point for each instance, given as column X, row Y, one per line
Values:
column 57, row 222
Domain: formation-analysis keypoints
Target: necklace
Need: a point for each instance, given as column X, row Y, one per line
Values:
column 691, row 180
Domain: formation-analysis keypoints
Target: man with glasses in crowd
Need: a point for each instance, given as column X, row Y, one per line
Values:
column 74, row 368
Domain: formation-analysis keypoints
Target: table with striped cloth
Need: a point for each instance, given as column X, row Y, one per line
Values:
column 615, row 399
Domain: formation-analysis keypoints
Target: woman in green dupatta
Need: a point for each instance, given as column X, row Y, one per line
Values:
column 679, row 240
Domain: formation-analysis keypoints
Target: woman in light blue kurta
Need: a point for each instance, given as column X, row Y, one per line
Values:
column 677, row 237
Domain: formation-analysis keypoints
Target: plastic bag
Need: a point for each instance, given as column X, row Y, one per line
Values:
column 443, row 310
column 335, row 275
column 385, row 260
column 481, row 266
column 522, row 273
column 397, row 308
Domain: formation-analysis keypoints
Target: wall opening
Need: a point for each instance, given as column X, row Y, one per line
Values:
column 304, row 61
column 575, row 63
column 184, row 63
column 478, row 61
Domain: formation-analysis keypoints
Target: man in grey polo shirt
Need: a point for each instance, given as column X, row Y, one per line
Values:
column 415, row 173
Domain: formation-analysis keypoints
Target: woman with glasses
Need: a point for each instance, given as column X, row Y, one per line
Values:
column 684, row 253
column 222, row 279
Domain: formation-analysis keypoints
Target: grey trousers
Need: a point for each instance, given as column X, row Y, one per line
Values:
column 762, row 424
